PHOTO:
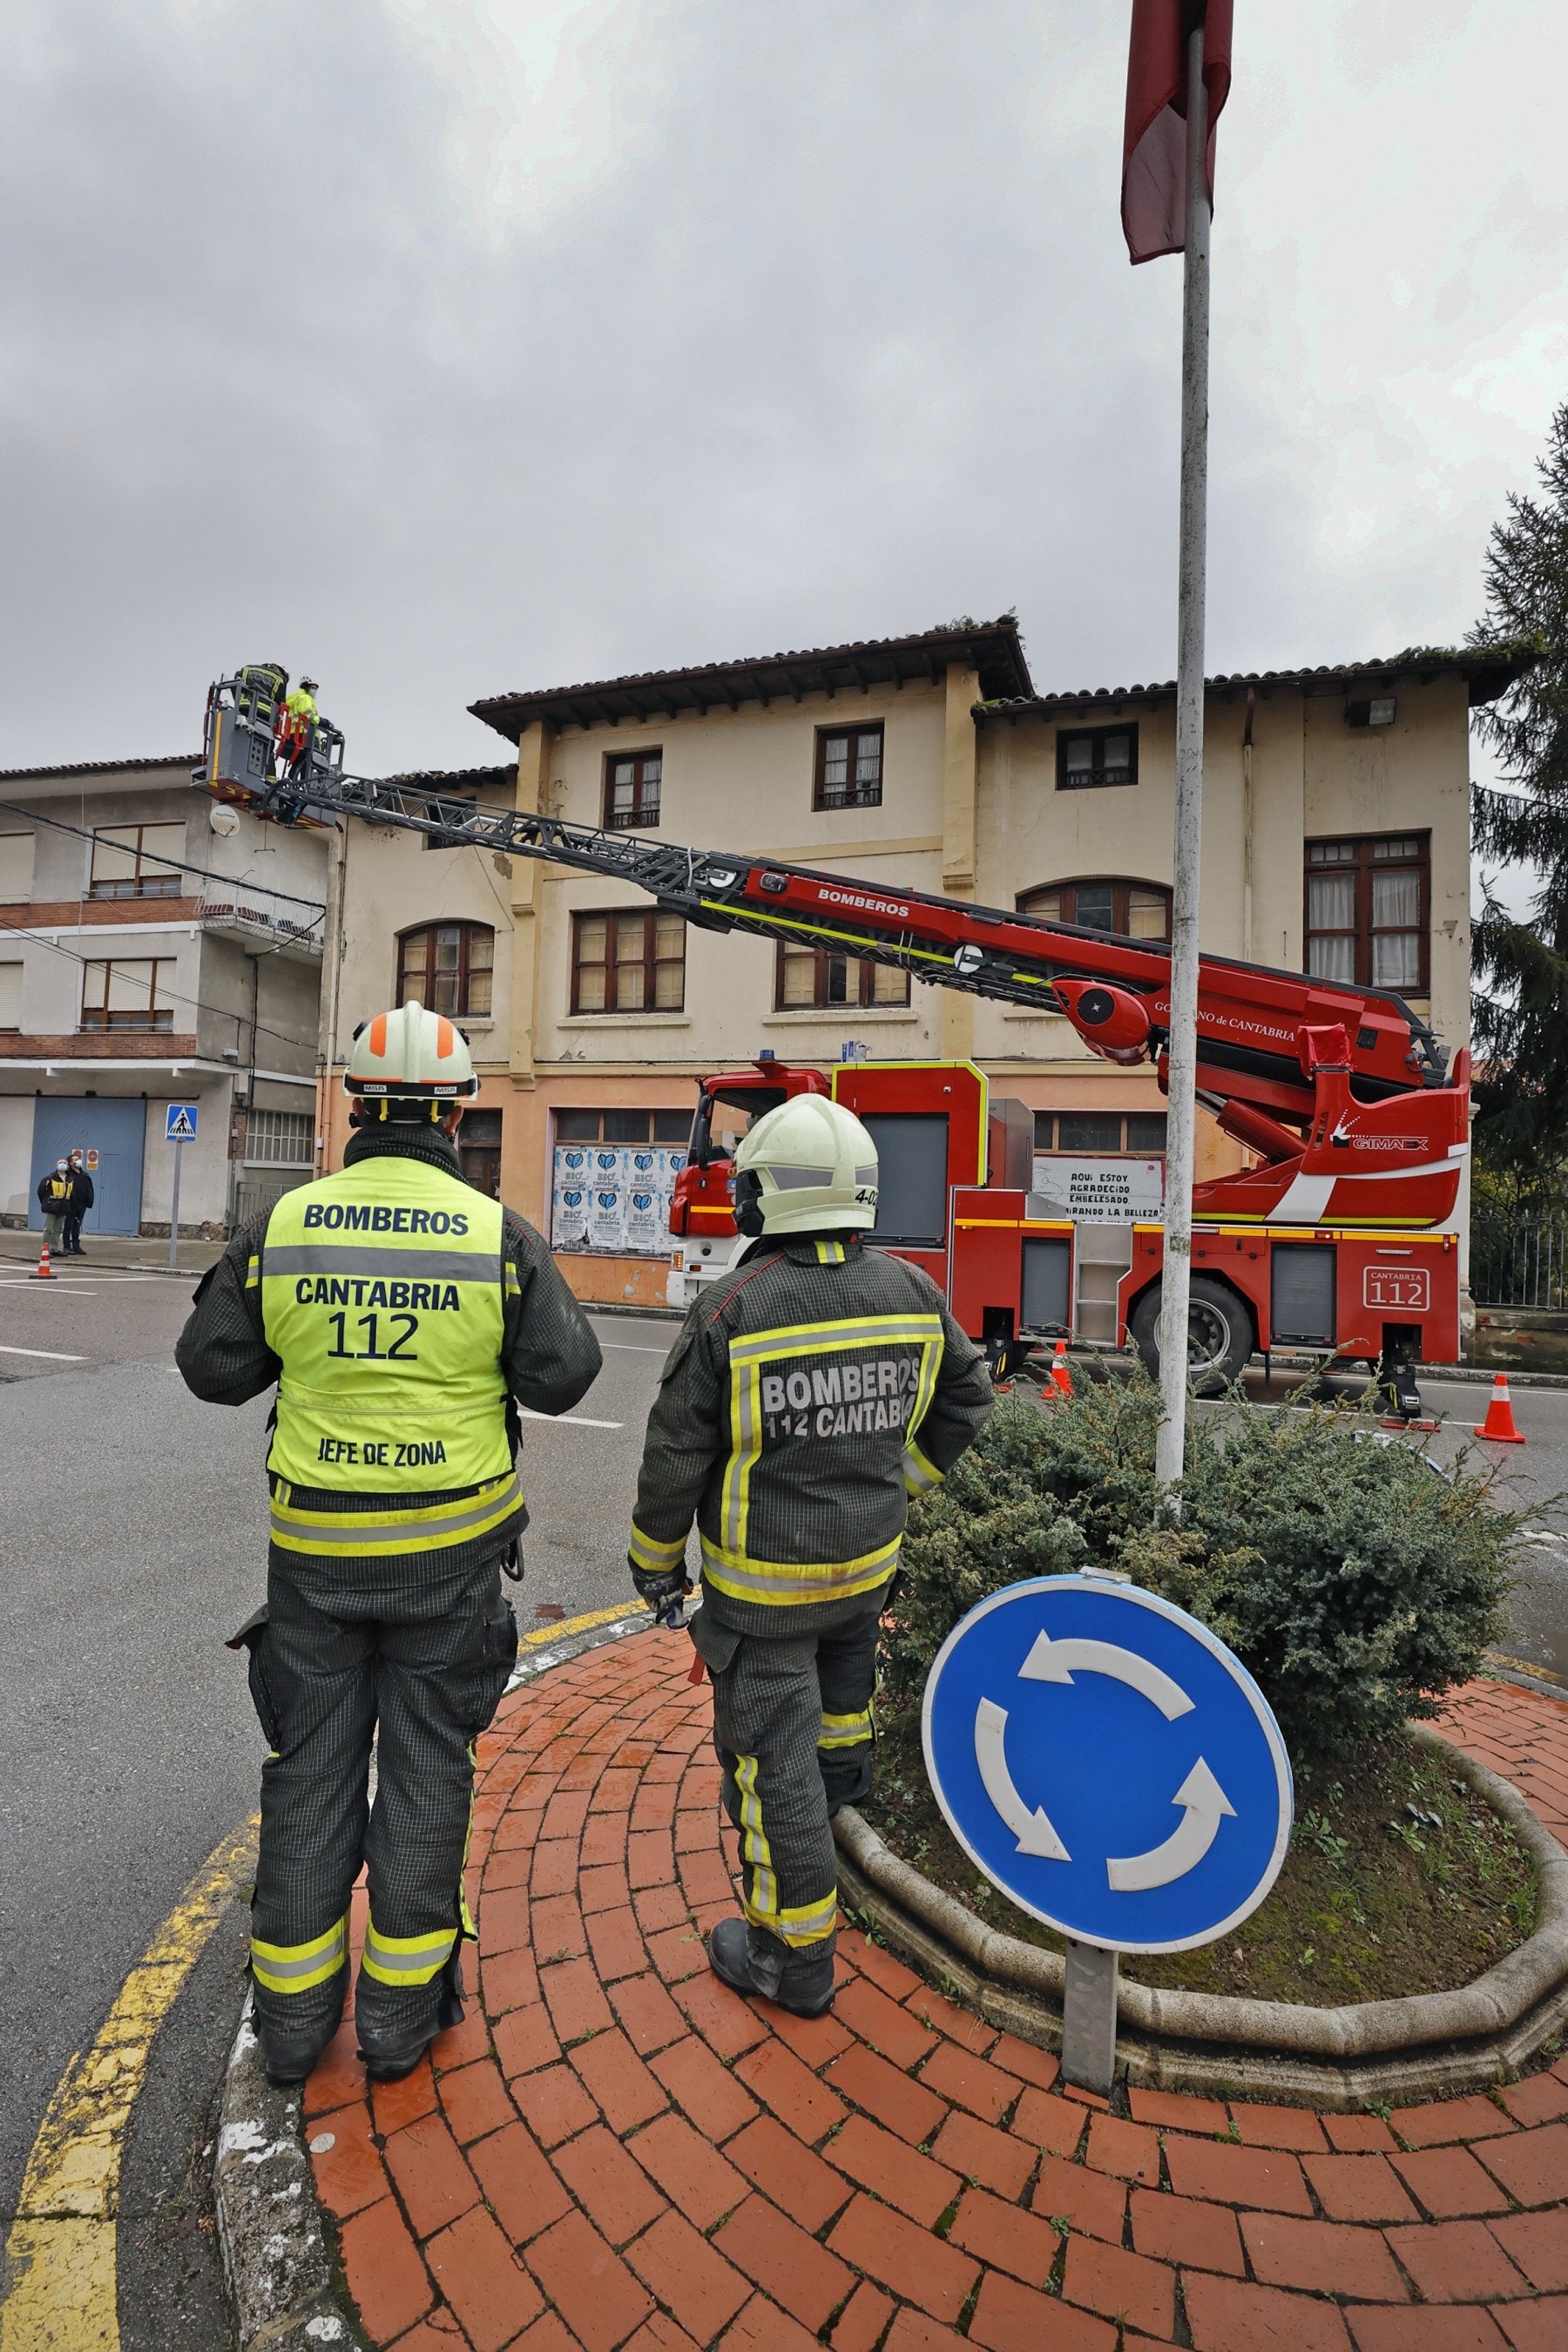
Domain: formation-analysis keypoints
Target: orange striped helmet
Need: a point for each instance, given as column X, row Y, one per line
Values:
column 410, row 1055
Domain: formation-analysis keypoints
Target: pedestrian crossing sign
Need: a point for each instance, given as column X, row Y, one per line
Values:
column 180, row 1127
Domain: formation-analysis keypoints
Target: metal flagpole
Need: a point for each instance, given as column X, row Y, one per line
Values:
column 1193, row 565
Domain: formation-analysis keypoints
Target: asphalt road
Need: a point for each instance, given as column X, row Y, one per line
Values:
column 134, row 1543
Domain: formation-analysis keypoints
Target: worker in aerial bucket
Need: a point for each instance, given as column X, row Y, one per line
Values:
column 400, row 1313
column 815, row 1387
column 299, row 716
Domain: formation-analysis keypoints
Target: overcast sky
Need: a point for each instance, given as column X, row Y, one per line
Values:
column 450, row 346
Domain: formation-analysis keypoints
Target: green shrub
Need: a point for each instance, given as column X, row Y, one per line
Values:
column 1355, row 1582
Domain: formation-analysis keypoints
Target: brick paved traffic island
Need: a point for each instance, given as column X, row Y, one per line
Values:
column 616, row 2150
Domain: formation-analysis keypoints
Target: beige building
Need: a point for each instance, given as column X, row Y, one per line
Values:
column 1336, row 837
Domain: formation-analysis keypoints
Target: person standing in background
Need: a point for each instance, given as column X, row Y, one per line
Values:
column 80, row 1201
column 54, row 1198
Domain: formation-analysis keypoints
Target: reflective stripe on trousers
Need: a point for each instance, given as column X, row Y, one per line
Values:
column 295, row 1967
column 845, row 1730
column 794, row 1923
column 406, row 1959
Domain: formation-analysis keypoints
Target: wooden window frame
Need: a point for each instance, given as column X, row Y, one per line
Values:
column 852, row 797
column 1119, row 885
column 1364, row 863
column 866, row 969
column 613, row 917
column 160, row 881
column 1096, row 779
column 649, row 1140
column 643, row 814
column 467, row 972
column 102, row 1018
column 1122, row 1151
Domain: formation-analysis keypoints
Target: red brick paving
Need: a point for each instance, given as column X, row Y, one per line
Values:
column 615, row 2154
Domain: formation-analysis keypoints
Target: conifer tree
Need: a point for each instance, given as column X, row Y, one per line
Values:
column 1520, row 968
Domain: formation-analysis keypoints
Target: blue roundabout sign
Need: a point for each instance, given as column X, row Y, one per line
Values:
column 1107, row 1762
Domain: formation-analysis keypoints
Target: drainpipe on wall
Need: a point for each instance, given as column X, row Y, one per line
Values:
column 331, row 972
column 1246, row 832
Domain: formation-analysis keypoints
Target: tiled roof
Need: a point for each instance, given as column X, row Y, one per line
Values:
column 992, row 648
column 187, row 759
column 459, row 781
column 1490, row 670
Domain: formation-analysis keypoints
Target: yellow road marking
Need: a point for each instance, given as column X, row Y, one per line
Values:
column 60, row 2280
column 580, row 1625
column 60, row 2276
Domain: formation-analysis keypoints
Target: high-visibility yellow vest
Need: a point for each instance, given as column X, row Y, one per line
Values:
column 381, row 1291
column 300, row 704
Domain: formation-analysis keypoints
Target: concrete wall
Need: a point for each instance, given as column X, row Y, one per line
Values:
column 15, row 1157
column 208, row 1044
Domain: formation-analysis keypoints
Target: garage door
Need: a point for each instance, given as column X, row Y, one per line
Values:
column 114, row 1129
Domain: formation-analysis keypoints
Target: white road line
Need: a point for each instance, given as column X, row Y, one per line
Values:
column 568, row 1420
column 53, row 1354
column 631, row 1347
column 81, row 1290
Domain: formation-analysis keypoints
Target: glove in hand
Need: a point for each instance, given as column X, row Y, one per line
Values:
column 669, row 1584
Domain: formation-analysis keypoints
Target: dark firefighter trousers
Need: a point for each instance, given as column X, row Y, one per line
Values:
column 325, row 1682
column 792, row 1726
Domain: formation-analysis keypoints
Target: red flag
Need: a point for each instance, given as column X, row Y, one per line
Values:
column 1154, row 144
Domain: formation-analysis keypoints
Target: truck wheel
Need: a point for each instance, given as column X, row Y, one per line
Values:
column 1219, row 1334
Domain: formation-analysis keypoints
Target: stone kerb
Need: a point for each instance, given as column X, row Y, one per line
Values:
column 1431, row 2045
column 616, row 2153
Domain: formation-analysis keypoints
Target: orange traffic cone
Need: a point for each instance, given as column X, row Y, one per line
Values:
column 44, row 1272
column 1499, row 1423
column 1061, row 1374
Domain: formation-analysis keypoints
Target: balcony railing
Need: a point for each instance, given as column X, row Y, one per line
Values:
column 256, row 915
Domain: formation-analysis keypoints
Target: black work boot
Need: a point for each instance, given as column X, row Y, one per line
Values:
column 754, row 1963
column 389, row 2057
column 288, row 2058
column 289, row 2052
column 846, row 1787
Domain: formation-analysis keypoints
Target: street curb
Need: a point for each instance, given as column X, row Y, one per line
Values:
column 285, row 2285
column 1422, row 2047
column 282, row 2282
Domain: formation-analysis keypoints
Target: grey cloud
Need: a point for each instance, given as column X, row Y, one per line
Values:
column 841, row 339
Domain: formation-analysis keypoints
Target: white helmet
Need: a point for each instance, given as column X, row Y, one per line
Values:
column 806, row 1167
column 410, row 1055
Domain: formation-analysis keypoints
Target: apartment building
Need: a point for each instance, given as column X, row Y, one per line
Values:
column 1336, row 839
column 154, row 949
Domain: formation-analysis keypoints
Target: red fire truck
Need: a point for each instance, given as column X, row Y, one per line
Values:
column 958, row 1197
column 1338, row 1237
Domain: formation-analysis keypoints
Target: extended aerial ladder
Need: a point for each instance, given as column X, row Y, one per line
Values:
column 1342, row 1094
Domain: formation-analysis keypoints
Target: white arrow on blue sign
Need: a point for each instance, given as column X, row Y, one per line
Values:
column 180, row 1126
column 1109, row 1763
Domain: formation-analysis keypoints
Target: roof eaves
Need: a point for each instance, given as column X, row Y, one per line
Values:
column 1490, row 669
column 996, row 647
column 187, row 759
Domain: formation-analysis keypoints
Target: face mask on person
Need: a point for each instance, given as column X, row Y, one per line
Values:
column 60, row 1166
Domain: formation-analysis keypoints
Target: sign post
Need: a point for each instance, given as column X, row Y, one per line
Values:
column 179, row 1129
column 1063, row 1719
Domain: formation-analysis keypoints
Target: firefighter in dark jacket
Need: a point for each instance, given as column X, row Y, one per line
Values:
column 815, row 1387
column 400, row 1313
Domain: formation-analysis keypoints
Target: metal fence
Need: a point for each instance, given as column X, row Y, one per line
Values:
column 1519, row 1261
column 259, row 1189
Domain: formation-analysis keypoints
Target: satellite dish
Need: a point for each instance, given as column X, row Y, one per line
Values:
column 223, row 821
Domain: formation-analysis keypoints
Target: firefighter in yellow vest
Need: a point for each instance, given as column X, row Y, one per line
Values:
column 813, row 1388
column 298, row 715
column 401, row 1314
